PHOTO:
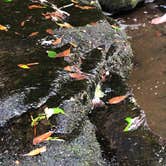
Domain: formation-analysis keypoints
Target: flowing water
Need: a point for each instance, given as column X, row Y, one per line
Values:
column 148, row 78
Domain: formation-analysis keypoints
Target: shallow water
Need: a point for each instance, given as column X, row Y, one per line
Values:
column 148, row 78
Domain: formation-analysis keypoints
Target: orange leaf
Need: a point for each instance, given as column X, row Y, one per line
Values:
column 33, row 34
column 78, row 76
column 3, row 28
column 85, row 7
column 57, row 41
column 50, row 31
column 32, row 64
column 35, row 7
column 36, row 151
column 63, row 53
column 42, row 137
column 118, row 99
column 65, row 25
column 72, row 69
column 23, row 66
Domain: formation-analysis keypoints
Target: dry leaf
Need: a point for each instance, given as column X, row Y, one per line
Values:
column 73, row 44
column 74, row 1
column 33, row 34
column 118, row 99
column 42, row 137
column 23, row 66
column 63, row 53
column 85, row 7
column 35, row 7
column 32, row 64
column 50, row 31
column 78, row 76
column 36, row 151
column 55, row 16
column 3, row 28
column 57, row 41
column 65, row 25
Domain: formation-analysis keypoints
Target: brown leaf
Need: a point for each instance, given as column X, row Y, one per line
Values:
column 57, row 41
column 36, row 151
column 74, row 1
column 42, row 137
column 54, row 15
column 118, row 99
column 35, row 7
column 50, row 31
column 85, row 7
column 63, row 53
column 33, row 34
column 78, row 76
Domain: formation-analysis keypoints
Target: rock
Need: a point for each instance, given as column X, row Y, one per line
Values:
column 114, row 6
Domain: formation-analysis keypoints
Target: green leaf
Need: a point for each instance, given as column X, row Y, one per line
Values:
column 98, row 92
column 52, row 111
column 129, row 120
column 7, row 1
column 36, row 120
column 54, row 139
column 51, row 54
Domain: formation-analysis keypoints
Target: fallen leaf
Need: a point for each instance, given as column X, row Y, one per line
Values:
column 55, row 16
column 73, row 44
column 55, row 139
column 85, row 7
column 98, row 92
column 3, row 28
column 65, row 25
column 36, row 120
column 32, row 64
column 78, row 76
column 57, row 41
column 52, row 111
column 35, row 7
column 22, row 23
column 115, row 27
column 36, row 151
column 51, row 54
column 129, row 121
column 93, row 23
column 74, row 1
column 33, row 34
column 23, row 66
column 118, row 99
column 63, row 53
column 42, row 138
column 68, row 68
column 50, row 31
column 27, row 66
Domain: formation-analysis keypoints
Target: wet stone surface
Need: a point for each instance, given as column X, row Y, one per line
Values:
column 26, row 93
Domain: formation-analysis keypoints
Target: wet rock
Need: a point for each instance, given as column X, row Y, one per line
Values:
column 114, row 6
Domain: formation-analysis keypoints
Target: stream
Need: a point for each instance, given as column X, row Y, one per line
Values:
column 100, row 56
column 148, row 78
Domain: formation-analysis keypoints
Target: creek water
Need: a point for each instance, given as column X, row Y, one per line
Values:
column 148, row 78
